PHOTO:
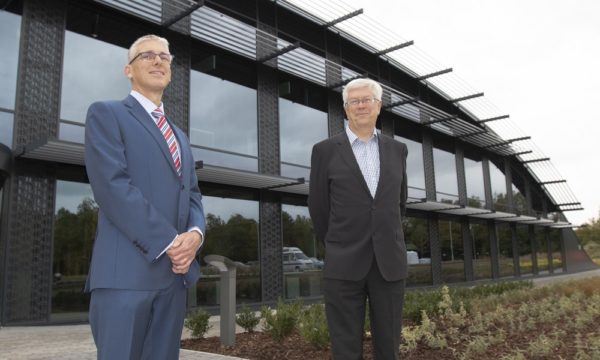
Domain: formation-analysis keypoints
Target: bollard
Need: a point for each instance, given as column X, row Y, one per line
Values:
column 227, row 270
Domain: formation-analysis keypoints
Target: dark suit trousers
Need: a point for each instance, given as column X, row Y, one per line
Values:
column 137, row 324
column 345, row 308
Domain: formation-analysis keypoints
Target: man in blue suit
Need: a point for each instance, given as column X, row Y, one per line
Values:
column 150, row 220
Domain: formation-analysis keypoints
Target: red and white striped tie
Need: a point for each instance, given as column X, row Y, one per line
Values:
column 161, row 121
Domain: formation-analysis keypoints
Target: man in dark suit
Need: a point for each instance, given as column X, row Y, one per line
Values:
column 356, row 201
column 150, row 220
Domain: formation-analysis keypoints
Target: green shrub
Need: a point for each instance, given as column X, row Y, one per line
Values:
column 197, row 323
column 312, row 325
column 247, row 319
column 281, row 322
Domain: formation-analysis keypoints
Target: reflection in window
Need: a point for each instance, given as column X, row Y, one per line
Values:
column 414, row 168
column 232, row 231
column 505, row 250
column 300, row 127
column 71, row 132
column 474, row 179
column 453, row 264
column 302, row 255
column 498, row 187
column 518, row 192
column 92, row 71
column 525, row 252
column 446, row 184
column 10, row 33
column 482, row 260
column 6, row 129
column 223, row 117
column 418, row 250
column 542, row 250
column 557, row 260
column 75, row 220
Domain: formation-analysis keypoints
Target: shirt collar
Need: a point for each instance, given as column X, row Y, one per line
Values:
column 352, row 136
column 148, row 105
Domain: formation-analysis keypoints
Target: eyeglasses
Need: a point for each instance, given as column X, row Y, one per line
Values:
column 149, row 56
column 356, row 102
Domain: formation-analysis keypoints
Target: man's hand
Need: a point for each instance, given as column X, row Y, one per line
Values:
column 183, row 251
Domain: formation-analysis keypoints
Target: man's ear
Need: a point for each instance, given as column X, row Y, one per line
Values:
column 127, row 71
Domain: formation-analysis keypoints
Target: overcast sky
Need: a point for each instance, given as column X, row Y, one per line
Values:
column 537, row 60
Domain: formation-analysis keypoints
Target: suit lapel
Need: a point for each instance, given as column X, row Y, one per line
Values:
column 384, row 147
column 138, row 112
column 347, row 155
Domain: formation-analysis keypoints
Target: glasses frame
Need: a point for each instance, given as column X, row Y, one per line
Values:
column 356, row 102
column 160, row 55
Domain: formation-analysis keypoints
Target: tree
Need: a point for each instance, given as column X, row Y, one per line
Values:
column 589, row 232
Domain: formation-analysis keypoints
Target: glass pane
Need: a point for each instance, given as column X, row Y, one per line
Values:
column 300, row 127
column 414, row 168
column 302, row 255
column 525, row 258
column 232, row 231
column 76, row 214
column 555, row 240
column 453, row 265
column 92, row 71
column 71, row 132
column 446, row 184
column 505, row 251
column 498, row 188
column 6, row 128
column 222, row 115
column 542, row 250
column 219, row 158
column 416, row 235
column 518, row 191
column 482, row 259
column 10, row 34
column 294, row 171
column 475, row 188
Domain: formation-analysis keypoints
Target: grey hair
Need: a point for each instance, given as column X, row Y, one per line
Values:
column 361, row 83
column 133, row 48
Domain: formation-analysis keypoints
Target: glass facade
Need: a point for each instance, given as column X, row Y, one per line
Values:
column 541, row 250
column 555, row 246
column 6, row 128
column 299, row 126
column 482, row 258
column 231, row 231
column 446, row 183
column 75, row 218
column 506, row 264
column 474, row 179
column 451, row 240
column 302, row 255
column 92, row 71
column 416, row 236
column 525, row 251
column 223, row 122
column 498, row 180
column 414, row 168
column 10, row 34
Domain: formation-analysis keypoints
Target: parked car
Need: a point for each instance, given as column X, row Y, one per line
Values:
column 318, row 264
column 295, row 260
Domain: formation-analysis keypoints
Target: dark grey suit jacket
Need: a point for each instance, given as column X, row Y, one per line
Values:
column 353, row 225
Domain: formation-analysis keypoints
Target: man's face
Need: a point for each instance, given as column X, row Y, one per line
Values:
column 363, row 114
column 149, row 76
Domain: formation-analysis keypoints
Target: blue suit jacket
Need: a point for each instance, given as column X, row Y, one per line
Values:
column 143, row 203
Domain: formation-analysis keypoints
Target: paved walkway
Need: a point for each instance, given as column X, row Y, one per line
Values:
column 74, row 342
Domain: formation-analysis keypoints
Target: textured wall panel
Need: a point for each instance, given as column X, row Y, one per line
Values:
column 39, row 78
column 534, row 249
column 460, row 171
column 493, row 232
column 177, row 94
column 268, row 122
column 487, row 184
column 170, row 10
column 335, row 113
column 271, row 246
column 428, row 166
column 468, row 250
column 436, row 249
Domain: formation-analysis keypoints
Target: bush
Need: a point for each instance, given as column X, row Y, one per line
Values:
column 312, row 325
column 198, row 324
column 281, row 322
column 247, row 319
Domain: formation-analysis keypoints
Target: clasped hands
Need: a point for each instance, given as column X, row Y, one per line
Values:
column 183, row 251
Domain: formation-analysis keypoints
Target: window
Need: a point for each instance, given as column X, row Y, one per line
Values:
column 232, row 231
column 498, row 180
column 300, row 127
column 482, row 260
column 525, row 252
column 416, row 235
column 414, row 168
column 541, row 250
column 474, row 180
column 451, row 240
column 555, row 246
column 75, row 219
column 505, row 250
column 446, row 184
column 223, row 122
column 6, row 128
column 302, row 255
column 10, row 34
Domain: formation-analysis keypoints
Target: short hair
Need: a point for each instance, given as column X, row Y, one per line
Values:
column 133, row 48
column 361, row 83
